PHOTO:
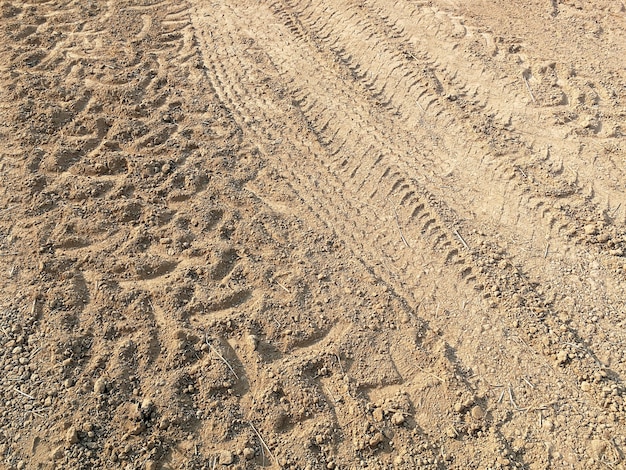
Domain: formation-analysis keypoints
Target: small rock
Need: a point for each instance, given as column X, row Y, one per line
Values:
column 561, row 357
column 100, row 386
column 397, row 419
column 378, row 414
column 597, row 448
column 376, row 439
column 590, row 229
column 146, row 405
column 226, row 457
column 248, row 453
column 71, row 436
column 548, row 425
column 253, row 342
column 585, row 386
column 477, row 412
column 151, row 465
column 57, row 453
column 21, row 465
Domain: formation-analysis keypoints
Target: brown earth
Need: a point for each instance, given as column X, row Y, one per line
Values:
column 312, row 234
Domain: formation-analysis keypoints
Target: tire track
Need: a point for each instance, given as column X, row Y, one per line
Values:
column 360, row 44
column 351, row 26
column 248, row 80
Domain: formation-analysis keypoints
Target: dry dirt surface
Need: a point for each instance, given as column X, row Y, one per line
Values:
column 312, row 234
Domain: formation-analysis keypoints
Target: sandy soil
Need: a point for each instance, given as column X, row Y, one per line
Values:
column 312, row 234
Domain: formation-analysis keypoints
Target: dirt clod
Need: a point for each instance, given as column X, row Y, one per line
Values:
column 376, row 439
column 226, row 458
column 100, row 386
column 71, row 436
column 397, row 418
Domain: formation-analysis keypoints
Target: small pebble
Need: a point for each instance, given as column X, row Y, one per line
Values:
column 226, row 457
column 57, row 453
column 376, row 439
column 590, row 229
column 71, row 436
column 253, row 341
column 248, row 453
column 146, row 405
column 100, row 386
column 477, row 412
column 597, row 447
column 397, row 419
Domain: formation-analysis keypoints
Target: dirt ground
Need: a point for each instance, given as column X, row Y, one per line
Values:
column 312, row 234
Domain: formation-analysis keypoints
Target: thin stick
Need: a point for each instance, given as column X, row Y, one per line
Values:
column 462, row 241
column 7, row 209
column 22, row 393
column 399, row 229
column 330, row 392
column 222, row 358
column 528, row 88
column 531, row 385
column 284, row 288
column 339, row 361
column 511, row 398
column 615, row 210
column 262, row 441
column 395, row 410
column 501, row 397
column 545, row 254
column 430, row 373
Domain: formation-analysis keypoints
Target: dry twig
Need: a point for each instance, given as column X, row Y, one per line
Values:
column 22, row 393
column 399, row 229
column 263, row 444
column 206, row 340
column 530, row 92
column 456, row 232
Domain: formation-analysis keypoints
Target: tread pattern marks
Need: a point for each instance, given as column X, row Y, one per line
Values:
column 354, row 195
column 356, row 159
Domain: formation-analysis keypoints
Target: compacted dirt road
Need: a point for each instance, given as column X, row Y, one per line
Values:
column 312, row 234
